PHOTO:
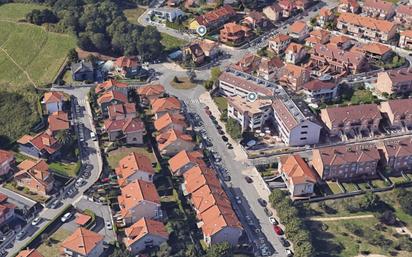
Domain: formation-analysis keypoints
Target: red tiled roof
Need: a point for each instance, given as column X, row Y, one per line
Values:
column 121, row 110
column 318, row 85
column 170, row 136
column 371, row 23
column 53, row 97
column 341, row 155
column 58, row 121
column 352, row 114
column 151, row 90
column 44, row 141
column 297, row 170
column 165, row 104
column 82, row 241
column 132, row 163
column 145, row 227
column 128, row 125
column 112, row 95
column 379, row 4
column 109, row 84
column 214, row 16
column 29, row 253
column 297, row 27
column 126, row 62
column 183, row 158
column 5, row 156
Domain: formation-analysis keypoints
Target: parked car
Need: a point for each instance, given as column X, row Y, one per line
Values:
column 273, row 221
column 278, row 230
column 221, row 132
column 109, row 225
column 238, row 200
column 36, row 221
column 284, row 242
column 262, row 202
column 21, row 235
column 55, row 204
column 268, row 212
column 248, row 179
column 289, row 253
column 66, row 217
column 93, row 136
column 80, row 182
column 225, row 139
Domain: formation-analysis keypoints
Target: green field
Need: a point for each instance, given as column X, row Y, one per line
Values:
column 133, row 14
column 172, row 43
column 29, row 53
column 15, row 12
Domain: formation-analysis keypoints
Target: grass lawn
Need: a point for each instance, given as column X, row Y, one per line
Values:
column 334, row 188
column 66, row 169
column 53, row 249
column 21, row 157
column 15, row 11
column 67, row 77
column 183, row 83
column 221, row 103
column 116, row 155
column 349, row 187
column 133, row 14
column 172, row 43
column 33, row 196
column 36, row 51
column 336, row 240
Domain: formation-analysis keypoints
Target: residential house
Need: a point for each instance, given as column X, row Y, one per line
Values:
column 230, row 85
column 302, row 4
column 29, row 253
column 348, row 6
column 42, row 145
column 143, row 234
column 288, row 8
column 111, row 97
column 196, row 178
column 318, row 91
column 122, row 111
column 112, row 84
column 209, row 196
column 220, row 224
column 273, row 12
column 129, row 67
column 297, row 175
column 326, row 16
column 131, row 130
column 405, row 40
column 374, row 51
column 213, row 19
column 194, row 52
column 295, row 53
column 248, row 64
column 234, row 33
column 35, row 176
column 404, row 15
column 162, row 106
column 210, row 48
column 398, row 112
column 134, row 166
column 341, row 41
column 295, row 126
column 397, row 154
column 150, row 92
column 294, row 76
column 250, row 115
column 299, row 30
column 331, row 59
column 366, row 27
column 394, row 81
column 279, row 43
column 58, row 121
column 168, row 13
column 345, row 163
column 82, row 70
column 53, row 101
column 82, row 243
column 170, row 121
column 378, row 9
column 6, row 210
column 319, row 36
column 269, row 68
column 138, row 199
column 173, row 141
column 184, row 161
column 352, row 119
column 6, row 161
column 255, row 20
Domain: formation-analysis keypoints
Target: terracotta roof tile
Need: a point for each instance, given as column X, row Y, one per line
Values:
column 112, row 95
column 170, row 136
column 128, row 125
column 58, row 121
column 371, row 23
column 184, row 158
column 341, row 155
column 53, row 97
column 351, row 114
column 82, row 241
column 5, row 155
column 297, row 27
column 297, row 170
column 29, row 253
column 135, row 192
column 145, row 227
column 132, row 163
column 151, row 90
column 165, row 104
column 109, row 84
column 168, row 119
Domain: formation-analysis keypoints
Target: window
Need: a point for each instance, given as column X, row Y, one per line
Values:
column 303, row 132
column 304, row 126
column 303, row 138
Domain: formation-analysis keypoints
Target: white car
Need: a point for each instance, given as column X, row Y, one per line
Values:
column 66, row 217
column 289, row 253
column 36, row 221
column 238, row 200
column 109, row 225
column 273, row 221
column 93, row 136
column 80, row 182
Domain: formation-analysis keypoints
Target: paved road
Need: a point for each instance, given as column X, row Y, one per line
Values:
column 90, row 155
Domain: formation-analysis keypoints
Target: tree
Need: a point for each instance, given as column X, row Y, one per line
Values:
column 215, row 73
column 208, row 84
column 39, row 17
column 72, row 56
column 63, row 137
column 387, row 218
column 219, row 250
column 233, row 128
column 121, row 253
column 405, row 200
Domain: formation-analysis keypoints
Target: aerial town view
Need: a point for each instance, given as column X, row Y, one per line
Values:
column 205, row 128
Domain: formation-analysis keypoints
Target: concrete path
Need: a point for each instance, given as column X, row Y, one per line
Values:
column 343, row 218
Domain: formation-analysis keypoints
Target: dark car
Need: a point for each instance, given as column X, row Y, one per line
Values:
column 248, row 179
column 284, row 242
column 225, row 139
column 262, row 202
column 221, row 132
column 268, row 212
column 229, row 146
column 218, row 127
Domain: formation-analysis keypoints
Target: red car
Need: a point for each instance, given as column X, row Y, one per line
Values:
column 278, row 230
